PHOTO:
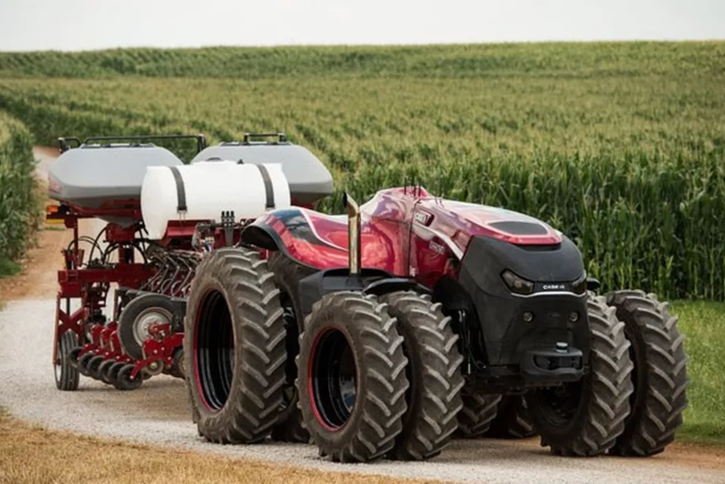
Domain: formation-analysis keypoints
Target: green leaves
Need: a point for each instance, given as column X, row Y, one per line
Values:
column 18, row 206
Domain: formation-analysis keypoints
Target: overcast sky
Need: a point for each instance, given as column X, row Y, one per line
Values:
column 97, row 24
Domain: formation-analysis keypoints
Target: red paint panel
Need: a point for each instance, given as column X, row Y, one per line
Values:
column 404, row 231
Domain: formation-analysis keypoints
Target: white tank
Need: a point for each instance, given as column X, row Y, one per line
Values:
column 210, row 188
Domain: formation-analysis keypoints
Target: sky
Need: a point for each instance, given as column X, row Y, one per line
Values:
column 98, row 24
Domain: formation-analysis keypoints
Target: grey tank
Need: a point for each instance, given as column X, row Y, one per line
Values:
column 308, row 178
column 92, row 175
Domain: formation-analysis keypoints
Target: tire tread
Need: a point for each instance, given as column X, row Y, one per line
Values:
column 383, row 405
column 251, row 411
column 651, row 428
column 438, row 398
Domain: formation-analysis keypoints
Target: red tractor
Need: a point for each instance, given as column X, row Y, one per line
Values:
column 383, row 333
column 378, row 334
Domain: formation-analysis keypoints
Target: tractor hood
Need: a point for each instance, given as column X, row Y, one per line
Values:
column 461, row 221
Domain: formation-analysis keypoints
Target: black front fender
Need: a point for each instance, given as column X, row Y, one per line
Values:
column 394, row 284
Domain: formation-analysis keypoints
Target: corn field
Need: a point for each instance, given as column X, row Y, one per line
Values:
column 620, row 146
column 18, row 207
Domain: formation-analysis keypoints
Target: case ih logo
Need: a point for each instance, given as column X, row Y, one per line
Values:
column 437, row 248
column 553, row 287
column 422, row 218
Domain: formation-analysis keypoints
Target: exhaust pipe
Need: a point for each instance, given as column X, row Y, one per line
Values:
column 353, row 234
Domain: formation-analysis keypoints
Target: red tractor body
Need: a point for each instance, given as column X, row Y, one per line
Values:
column 457, row 252
column 405, row 232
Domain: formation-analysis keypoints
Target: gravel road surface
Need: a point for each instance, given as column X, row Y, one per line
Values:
column 158, row 413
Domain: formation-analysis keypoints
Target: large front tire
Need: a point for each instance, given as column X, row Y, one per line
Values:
column 234, row 348
column 352, row 379
column 434, row 397
column 585, row 418
column 659, row 377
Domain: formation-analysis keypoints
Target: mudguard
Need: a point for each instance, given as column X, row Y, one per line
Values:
column 296, row 232
column 320, row 241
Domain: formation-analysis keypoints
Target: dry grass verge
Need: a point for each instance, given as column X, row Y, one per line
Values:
column 31, row 454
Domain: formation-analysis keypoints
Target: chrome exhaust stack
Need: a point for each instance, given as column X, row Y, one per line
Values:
column 353, row 234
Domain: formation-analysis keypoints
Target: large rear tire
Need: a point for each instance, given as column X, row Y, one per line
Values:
column 287, row 275
column 234, row 348
column 434, row 396
column 478, row 412
column 352, row 380
column 66, row 376
column 513, row 419
column 585, row 418
column 659, row 377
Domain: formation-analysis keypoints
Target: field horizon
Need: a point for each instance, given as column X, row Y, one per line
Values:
column 581, row 59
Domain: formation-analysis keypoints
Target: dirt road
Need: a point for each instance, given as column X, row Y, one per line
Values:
column 158, row 412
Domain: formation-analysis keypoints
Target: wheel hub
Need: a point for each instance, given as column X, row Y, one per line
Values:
column 214, row 351
column 334, row 379
column 146, row 319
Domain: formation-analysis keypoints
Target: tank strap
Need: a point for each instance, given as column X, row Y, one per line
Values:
column 268, row 188
column 180, row 190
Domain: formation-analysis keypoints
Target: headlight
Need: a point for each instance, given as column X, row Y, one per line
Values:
column 516, row 283
column 580, row 285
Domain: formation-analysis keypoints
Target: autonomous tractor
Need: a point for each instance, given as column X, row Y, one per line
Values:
column 383, row 332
